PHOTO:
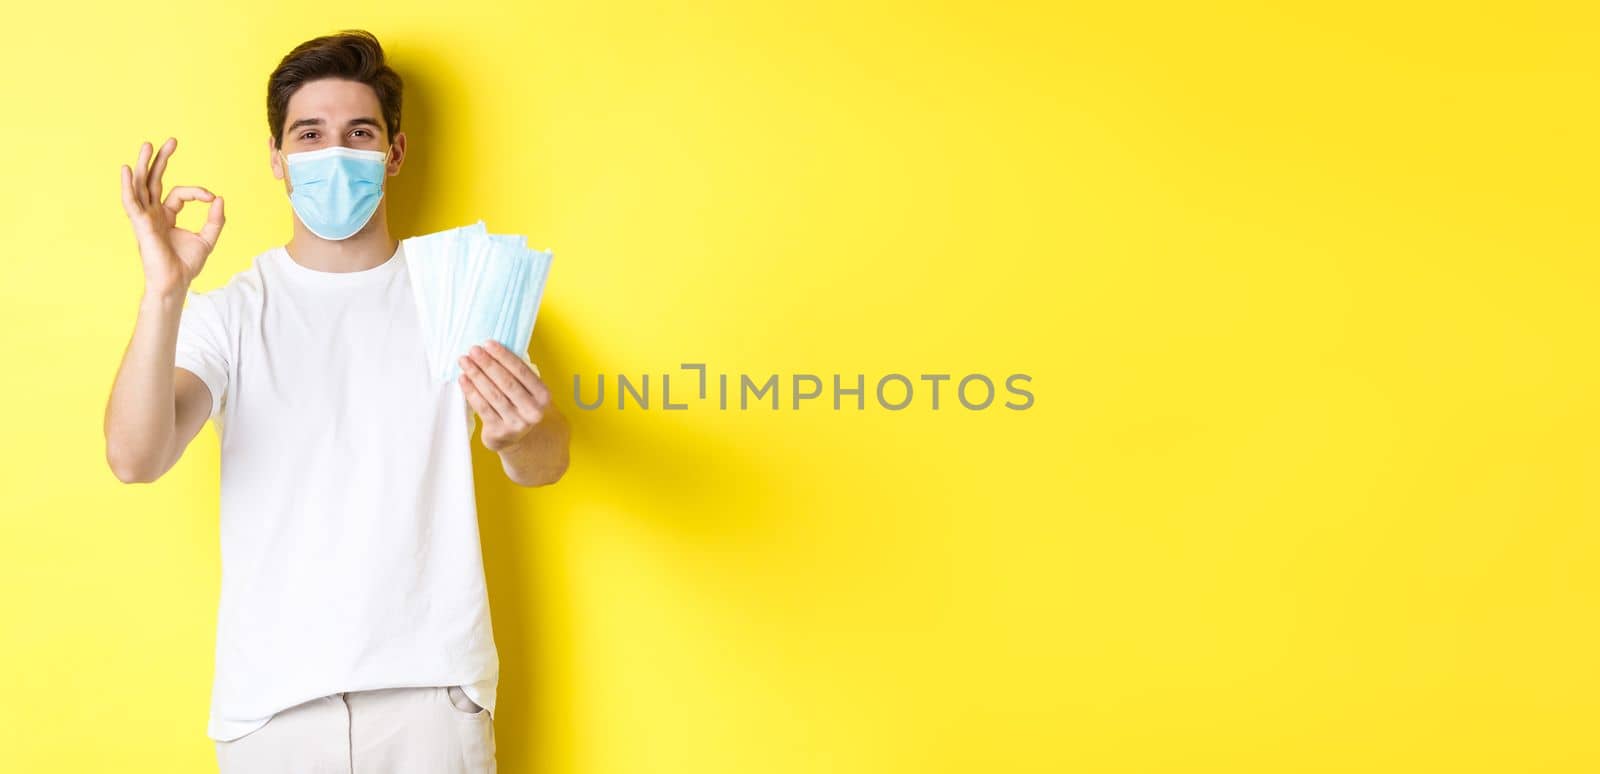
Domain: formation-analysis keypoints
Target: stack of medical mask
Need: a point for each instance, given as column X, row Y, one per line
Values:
column 472, row 286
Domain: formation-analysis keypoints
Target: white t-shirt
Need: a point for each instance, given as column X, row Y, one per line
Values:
column 349, row 529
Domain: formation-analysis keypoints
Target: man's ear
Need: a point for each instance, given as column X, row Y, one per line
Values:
column 272, row 158
column 397, row 153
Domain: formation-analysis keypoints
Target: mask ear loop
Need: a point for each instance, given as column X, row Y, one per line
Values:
column 283, row 163
column 383, row 185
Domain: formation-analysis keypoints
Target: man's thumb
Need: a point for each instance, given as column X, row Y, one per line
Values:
column 214, row 220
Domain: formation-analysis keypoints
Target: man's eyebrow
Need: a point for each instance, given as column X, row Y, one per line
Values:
column 363, row 120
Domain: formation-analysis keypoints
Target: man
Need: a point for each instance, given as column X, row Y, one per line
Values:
column 353, row 628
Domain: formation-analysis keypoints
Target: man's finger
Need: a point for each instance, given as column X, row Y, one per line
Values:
column 485, row 411
column 516, row 366
column 487, row 387
column 160, row 167
column 128, row 202
column 141, row 190
column 212, row 230
column 507, row 381
column 541, row 392
column 186, row 193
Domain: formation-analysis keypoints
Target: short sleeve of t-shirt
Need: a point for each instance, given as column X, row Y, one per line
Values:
column 203, row 343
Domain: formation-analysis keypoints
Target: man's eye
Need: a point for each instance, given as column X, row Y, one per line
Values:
column 308, row 136
column 364, row 132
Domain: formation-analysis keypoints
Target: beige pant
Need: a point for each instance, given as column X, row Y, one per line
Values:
column 387, row 731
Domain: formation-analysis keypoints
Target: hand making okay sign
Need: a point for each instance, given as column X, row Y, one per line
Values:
column 509, row 397
column 172, row 256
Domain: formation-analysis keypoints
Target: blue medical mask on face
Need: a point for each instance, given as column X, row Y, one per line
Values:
column 336, row 190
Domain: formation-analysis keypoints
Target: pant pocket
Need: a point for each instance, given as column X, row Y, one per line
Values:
column 474, row 729
column 460, row 702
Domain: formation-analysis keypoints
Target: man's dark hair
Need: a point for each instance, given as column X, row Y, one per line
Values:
column 353, row 55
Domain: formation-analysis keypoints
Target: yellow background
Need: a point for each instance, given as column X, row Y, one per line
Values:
column 1307, row 297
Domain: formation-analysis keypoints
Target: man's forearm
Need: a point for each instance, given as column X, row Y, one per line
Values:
column 139, row 420
column 540, row 458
